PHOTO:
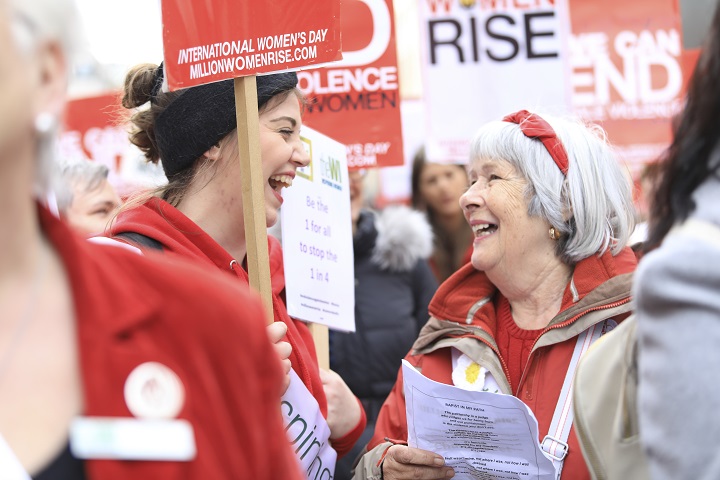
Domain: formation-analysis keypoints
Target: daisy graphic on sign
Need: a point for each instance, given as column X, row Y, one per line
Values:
column 469, row 375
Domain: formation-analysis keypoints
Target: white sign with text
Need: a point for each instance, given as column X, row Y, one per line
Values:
column 483, row 60
column 317, row 237
column 307, row 430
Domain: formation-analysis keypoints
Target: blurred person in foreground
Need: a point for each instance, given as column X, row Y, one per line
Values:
column 436, row 191
column 393, row 287
column 677, row 284
column 551, row 212
column 85, row 197
column 106, row 371
column 199, row 214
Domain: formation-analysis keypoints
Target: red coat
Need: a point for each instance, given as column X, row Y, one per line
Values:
column 602, row 286
column 129, row 310
column 181, row 236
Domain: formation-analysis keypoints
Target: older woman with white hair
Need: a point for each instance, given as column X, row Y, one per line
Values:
column 113, row 365
column 551, row 213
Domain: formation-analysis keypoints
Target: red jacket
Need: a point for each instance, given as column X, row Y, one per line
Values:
column 600, row 289
column 179, row 235
column 130, row 310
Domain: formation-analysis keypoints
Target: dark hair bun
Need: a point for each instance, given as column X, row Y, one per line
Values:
column 139, row 83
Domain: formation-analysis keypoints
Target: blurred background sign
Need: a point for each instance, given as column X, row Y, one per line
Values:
column 95, row 129
column 621, row 69
column 357, row 100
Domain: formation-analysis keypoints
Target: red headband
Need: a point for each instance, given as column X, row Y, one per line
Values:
column 533, row 126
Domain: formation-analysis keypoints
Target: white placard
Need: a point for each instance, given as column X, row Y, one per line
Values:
column 482, row 435
column 307, row 430
column 317, row 237
column 482, row 60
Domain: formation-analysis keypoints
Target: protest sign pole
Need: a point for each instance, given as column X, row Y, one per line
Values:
column 253, row 189
column 253, row 196
column 321, row 338
column 201, row 48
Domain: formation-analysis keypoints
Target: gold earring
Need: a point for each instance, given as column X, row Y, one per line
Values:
column 554, row 234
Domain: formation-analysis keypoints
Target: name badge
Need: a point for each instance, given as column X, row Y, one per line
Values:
column 132, row 439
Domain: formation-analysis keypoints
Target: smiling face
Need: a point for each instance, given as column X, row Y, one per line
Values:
column 496, row 208
column 281, row 149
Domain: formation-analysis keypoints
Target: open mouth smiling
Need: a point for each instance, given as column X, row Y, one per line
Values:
column 278, row 182
column 483, row 229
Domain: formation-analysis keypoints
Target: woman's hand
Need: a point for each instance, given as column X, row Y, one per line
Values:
column 402, row 462
column 276, row 332
column 343, row 408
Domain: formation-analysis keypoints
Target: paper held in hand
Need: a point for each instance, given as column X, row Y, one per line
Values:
column 482, row 435
column 307, row 430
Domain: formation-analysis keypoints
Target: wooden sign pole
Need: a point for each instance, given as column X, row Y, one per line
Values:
column 253, row 189
column 253, row 195
column 321, row 337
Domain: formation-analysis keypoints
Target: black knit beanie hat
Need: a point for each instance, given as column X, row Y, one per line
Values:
column 201, row 116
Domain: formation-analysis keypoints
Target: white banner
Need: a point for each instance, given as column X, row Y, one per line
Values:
column 483, row 59
column 308, row 431
column 317, row 237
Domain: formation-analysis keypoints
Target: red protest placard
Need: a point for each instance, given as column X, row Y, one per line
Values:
column 91, row 131
column 220, row 39
column 626, row 66
column 94, row 128
column 357, row 101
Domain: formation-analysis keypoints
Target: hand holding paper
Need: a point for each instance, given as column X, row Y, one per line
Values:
column 482, row 435
column 408, row 462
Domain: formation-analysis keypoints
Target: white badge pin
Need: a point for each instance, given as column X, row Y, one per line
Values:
column 152, row 390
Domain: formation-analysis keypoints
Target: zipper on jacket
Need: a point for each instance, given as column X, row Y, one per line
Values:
column 564, row 324
column 527, row 378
